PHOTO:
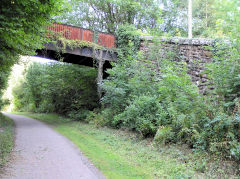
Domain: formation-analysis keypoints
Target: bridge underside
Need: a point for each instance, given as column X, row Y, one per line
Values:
column 66, row 57
column 81, row 56
column 98, row 54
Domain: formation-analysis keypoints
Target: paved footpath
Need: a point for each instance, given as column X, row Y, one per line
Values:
column 42, row 153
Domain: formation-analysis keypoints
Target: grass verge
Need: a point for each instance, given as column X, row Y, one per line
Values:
column 6, row 138
column 121, row 154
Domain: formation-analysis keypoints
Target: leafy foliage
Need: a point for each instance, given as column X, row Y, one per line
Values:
column 61, row 43
column 22, row 27
column 107, row 15
column 144, row 115
column 61, row 88
column 222, row 127
column 141, row 99
column 127, row 35
column 155, row 96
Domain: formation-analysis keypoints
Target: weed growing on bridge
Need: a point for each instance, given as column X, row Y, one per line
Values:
column 62, row 43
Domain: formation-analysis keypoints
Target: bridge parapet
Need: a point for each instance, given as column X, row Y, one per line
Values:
column 77, row 33
column 67, row 39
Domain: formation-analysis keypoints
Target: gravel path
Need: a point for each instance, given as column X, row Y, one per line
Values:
column 42, row 153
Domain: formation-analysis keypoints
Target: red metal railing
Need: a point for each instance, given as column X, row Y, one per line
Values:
column 77, row 33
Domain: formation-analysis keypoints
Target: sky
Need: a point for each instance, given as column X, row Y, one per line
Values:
column 36, row 59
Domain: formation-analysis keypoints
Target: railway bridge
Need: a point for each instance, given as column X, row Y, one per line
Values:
column 90, row 48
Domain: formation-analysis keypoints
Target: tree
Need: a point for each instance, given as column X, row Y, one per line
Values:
column 204, row 17
column 174, row 15
column 227, row 15
column 107, row 15
column 22, row 28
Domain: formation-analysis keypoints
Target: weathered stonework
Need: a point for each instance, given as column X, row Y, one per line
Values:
column 193, row 51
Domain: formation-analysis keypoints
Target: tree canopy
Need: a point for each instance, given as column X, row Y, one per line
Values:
column 107, row 15
column 170, row 16
column 22, row 26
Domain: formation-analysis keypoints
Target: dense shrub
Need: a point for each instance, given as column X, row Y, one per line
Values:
column 221, row 132
column 60, row 88
column 139, row 97
column 155, row 96
column 144, row 114
column 224, row 72
column 127, row 80
column 164, row 135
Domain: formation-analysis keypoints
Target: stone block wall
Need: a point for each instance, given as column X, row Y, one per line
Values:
column 193, row 51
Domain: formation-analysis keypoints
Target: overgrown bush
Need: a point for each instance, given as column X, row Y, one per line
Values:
column 96, row 118
column 60, row 88
column 144, row 115
column 127, row 80
column 141, row 96
column 164, row 135
column 154, row 95
column 221, row 132
column 127, row 34
column 224, row 72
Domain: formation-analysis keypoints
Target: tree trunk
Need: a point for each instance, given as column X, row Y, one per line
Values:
column 100, row 74
column 189, row 19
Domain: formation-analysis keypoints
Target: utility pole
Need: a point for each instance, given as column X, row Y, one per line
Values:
column 189, row 19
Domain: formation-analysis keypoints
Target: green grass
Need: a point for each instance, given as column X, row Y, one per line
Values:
column 121, row 154
column 6, row 138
